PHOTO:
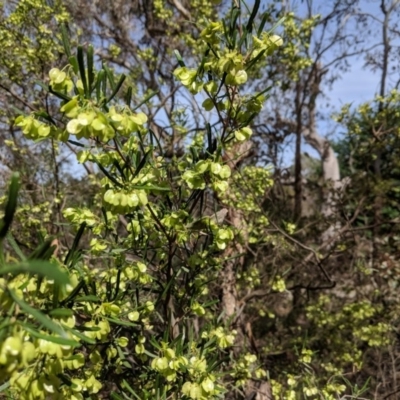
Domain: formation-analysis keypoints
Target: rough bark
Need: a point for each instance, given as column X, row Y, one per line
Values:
column 234, row 256
column 329, row 160
column 331, row 176
column 235, row 218
column 298, row 186
column 378, row 201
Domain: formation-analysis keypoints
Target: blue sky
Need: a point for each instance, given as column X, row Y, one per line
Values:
column 355, row 86
column 359, row 84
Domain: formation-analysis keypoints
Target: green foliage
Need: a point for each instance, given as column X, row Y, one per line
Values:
column 369, row 154
column 26, row 45
column 112, row 286
column 127, row 322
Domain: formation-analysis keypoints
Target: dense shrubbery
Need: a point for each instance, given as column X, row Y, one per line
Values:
column 137, row 315
column 175, row 268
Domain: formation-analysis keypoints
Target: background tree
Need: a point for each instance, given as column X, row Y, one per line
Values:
column 285, row 277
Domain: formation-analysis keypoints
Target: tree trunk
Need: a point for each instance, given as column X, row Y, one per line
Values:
column 298, row 181
column 255, row 390
column 329, row 160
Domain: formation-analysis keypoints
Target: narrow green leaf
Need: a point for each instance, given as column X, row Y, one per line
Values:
column 99, row 83
column 110, row 77
column 215, row 364
column 210, row 303
column 18, row 111
column 52, row 339
column 153, row 135
column 56, row 295
column 235, row 12
column 255, row 59
column 108, row 175
column 278, row 23
column 128, row 96
column 179, row 58
column 116, row 396
column 245, row 38
column 60, row 95
column 209, row 137
column 89, row 298
column 142, row 163
column 83, row 328
column 150, row 354
column 216, row 55
column 104, row 83
column 44, row 251
column 234, row 35
column 74, row 64
column 61, row 313
column 248, row 120
column 146, row 99
column 65, row 40
column 249, row 26
column 74, row 142
column 131, row 391
column 90, row 63
column 82, row 72
column 43, row 85
column 5, row 322
column 168, row 285
column 246, row 6
column 11, row 205
column 262, row 23
column 76, row 290
column 80, row 335
column 117, row 87
column 195, row 154
column 120, row 170
column 261, row 93
column 200, row 70
column 226, row 34
column 120, row 322
column 4, row 386
column 65, row 379
column 155, row 344
column 38, row 315
column 117, row 285
column 75, row 244
column 15, row 247
column 44, row 115
column 152, row 187
column 38, row 267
